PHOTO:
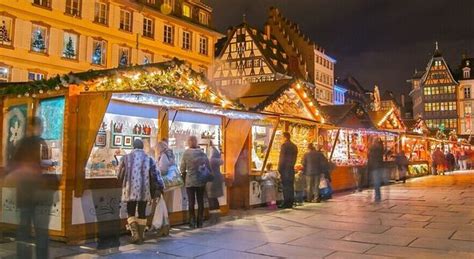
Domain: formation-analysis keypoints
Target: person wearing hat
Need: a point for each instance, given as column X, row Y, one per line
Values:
column 141, row 182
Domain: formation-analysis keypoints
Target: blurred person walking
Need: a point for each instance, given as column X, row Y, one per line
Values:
column 313, row 162
column 401, row 161
column 215, row 188
column 450, row 161
column 438, row 162
column 375, row 166
column 141, row 182
column 196, row 172
column 34, row 189
column 286, row 168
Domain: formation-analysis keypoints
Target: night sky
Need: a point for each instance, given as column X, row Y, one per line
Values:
column 377, row 41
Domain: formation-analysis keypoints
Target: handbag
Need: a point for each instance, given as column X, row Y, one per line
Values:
column 205, row 174
column 172, row 178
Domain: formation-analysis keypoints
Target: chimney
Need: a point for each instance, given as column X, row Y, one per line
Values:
column 267, row 30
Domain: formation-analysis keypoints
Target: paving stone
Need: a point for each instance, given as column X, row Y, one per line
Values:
column 331, row 234
column 412, row 252
column 464, row 235
column 413, row 217
column 229, row 254
column 403, row 223
column 420, row 232
column 190, row 250
column 385, row 239
column 283, row 250
column 349, row 226
column 345, row 255
column 337, row 245
column 449, row 245
column 450, row 226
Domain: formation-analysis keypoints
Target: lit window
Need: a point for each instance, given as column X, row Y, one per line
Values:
column 467, row 92
column 39, row 39
column 151, row 2
column 4, row 73
column 203, row 45
column 125, row 20
column 101, row 13
column 43, row 3
column 148, row 28
column 73, row 7
column 186, row 10
column 99, row 52
column 34, row 76
column 168, row 34
column 186, row 40
column 203, row 18
column 6, row 31
column 167, row 7
column 124, row 57
column 467, row 109
column 70, row 44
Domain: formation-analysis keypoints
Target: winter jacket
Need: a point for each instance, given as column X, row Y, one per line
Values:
column 288, row 154
column 135, row 172
column 438, row 157
column 192, row 159
column 314, row 163
column 401, row 161
column 166, row 160
column 215, row 187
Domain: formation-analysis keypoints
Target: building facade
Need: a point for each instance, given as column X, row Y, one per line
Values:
column 42, row 38
column 339, row 95
column 466, row 97
column 355, row 92
column 279, row 51
column 434, row 94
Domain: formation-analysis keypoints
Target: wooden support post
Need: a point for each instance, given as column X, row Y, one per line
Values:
column 334, row 144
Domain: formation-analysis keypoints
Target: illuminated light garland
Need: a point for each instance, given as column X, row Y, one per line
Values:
column 173, row 103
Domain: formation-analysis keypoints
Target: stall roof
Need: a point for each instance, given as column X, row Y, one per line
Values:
column 347, row 115
column 289, row 97
column 171, row 78
column 416, row 126
column 387, row 120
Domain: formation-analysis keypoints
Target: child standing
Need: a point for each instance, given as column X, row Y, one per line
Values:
column 300, row 184
column 270, row 179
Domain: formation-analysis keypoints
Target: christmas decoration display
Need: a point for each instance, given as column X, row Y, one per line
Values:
column 69, row 51
column 4, row 34
column 123, row 61
column 97, row 55
column 38, row 43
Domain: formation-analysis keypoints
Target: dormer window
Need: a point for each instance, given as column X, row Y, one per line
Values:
column 186, row 10
column 467, row 73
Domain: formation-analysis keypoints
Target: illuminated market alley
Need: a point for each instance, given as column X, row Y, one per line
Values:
column 428, row 217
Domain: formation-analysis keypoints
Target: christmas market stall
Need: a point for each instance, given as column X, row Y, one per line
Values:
column 91, row 120
column 290, row 107
column 414, row 144
column 391, row 125
column 345, row 140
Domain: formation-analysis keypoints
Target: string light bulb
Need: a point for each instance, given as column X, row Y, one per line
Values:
column 298, row 85
column 119, row 80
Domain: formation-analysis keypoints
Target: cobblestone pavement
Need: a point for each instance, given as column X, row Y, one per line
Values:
column 428, row 217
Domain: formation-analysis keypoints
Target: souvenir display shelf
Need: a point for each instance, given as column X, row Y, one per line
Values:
column 415, row 149
column 350, row 149
column 115, row 139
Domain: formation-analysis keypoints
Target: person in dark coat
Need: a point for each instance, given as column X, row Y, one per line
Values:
column 286, row 168
column 29, row 159
column 214, row 188
column 402, row 162
column 312, row 169
column 450, row 160
column 375, row 165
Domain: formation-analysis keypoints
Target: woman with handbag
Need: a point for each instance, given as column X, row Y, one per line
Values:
column 196, row 173
column 141, row 182
column 214, row 189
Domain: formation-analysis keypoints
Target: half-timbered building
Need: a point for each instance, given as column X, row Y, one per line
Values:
column 434, row 94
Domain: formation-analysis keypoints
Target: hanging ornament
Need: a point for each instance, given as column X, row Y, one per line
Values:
column 41, row 91
column 27, row 94
column 57, row 88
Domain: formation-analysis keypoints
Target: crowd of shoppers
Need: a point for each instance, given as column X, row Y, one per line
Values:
column 457, row 158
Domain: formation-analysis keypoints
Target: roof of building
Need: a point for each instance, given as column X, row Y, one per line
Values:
column 351, row 84
column 465, row 63
column 347, row 115
column 268, row 46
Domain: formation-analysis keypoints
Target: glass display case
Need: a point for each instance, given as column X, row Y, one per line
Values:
column 122, row 124
column 51, row 111
column 261, row 137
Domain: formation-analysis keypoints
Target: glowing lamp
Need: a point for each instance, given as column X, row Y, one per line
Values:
column 119, row 80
